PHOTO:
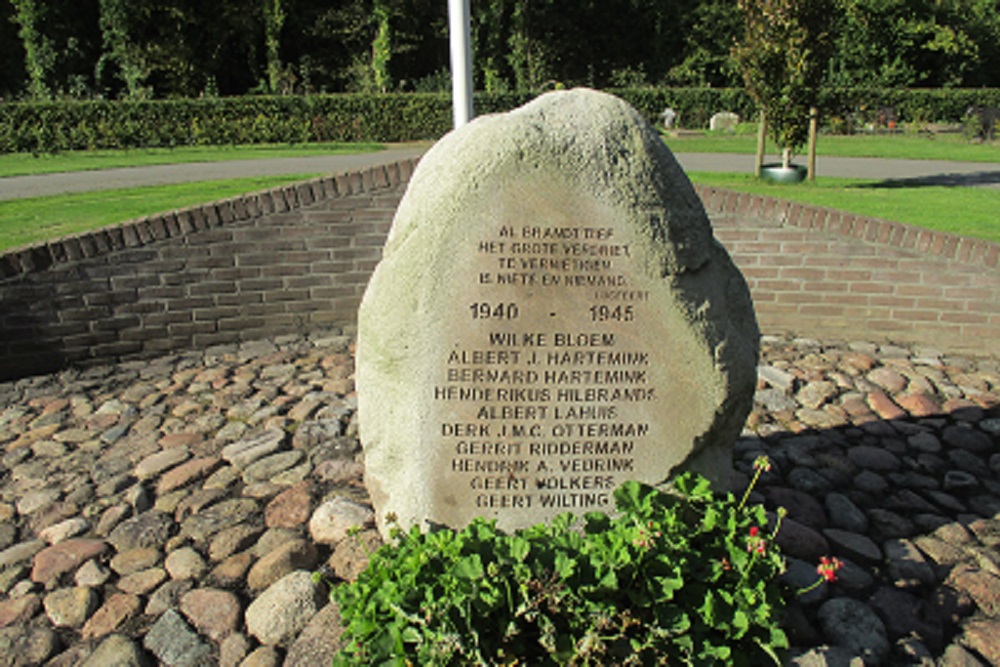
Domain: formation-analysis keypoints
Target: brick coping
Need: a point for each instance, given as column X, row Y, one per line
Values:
column 134, row 233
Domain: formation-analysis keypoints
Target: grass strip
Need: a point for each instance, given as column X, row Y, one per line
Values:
column 26, row 164
column 963, row 211
column 27, row 221
column 954, row 147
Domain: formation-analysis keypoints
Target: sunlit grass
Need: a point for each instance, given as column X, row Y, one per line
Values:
column 27, row 221
column 23, row 164
column 910, row 146
column 958, row 210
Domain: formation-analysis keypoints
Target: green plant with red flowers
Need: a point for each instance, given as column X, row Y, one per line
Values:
column 677, row 576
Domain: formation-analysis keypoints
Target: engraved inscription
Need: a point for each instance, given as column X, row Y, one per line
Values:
column 553, row 418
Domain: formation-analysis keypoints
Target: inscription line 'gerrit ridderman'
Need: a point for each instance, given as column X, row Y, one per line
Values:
column 551, row 317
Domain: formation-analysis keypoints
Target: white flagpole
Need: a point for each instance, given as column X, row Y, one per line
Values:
column 461, row 61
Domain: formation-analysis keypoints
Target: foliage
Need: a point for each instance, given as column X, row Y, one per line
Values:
column 906, row 43
column 382, row 47
column 274, row 19
column 782, row 56
column 39, row 55
column 51, row 127
column 677, row 577
column 181, row 48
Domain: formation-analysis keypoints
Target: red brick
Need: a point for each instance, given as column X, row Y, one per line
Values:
column 871, row 288
column 803, row 273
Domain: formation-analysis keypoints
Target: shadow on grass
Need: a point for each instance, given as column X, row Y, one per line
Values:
column 974, row 179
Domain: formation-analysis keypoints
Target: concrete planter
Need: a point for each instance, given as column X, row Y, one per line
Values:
column 778, row 174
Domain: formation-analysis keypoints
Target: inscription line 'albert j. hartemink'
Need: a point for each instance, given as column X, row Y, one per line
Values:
column 551, row 317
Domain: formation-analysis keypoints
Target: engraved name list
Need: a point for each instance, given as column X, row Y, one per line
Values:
column 544, row 396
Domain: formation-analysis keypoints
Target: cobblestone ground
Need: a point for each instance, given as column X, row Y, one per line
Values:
column 171, row 511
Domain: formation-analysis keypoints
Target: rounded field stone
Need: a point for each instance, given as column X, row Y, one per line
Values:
column 854, row 546
column 845, row 514
column 71, row 607
column 185, row 563
column 148, row 530
column 134, row 560
column 319, row 640
column 853, row 625
column 283, row 610
column 57, row 560
column 116, row 651
column 875, row 459
column 27, row 646
column 19, row 609
column 290, row 508
column 291, row 556
column 332, row 520
column 214, row 613
column 268, row 467
column 115, row 611
column 174, row 643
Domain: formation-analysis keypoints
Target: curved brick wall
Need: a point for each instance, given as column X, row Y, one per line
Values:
column 298, row 258
column 828, row 274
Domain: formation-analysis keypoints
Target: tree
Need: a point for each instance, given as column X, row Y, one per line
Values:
column 782, row 57
column 120, row 49
column 382, row 47
column 274, row 20
column 705, row 33
column 39, row 54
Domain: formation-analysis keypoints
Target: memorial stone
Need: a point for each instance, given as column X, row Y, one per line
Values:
column 552, row 316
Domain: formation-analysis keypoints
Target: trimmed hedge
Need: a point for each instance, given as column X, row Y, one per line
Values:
column 48, row 127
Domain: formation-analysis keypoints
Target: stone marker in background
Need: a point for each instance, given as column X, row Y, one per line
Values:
column 724, row 121
column 552, row 317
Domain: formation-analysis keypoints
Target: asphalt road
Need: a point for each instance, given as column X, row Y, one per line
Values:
column 904, row 172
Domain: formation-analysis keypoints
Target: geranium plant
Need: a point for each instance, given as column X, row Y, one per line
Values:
column 677, row 576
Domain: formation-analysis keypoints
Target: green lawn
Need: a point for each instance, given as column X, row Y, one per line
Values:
column 26, row 221
column 22, row 164
column 959, row 210
column 908, row 146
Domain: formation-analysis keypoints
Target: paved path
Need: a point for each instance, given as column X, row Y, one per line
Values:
column 42, row 185
column 928, row 172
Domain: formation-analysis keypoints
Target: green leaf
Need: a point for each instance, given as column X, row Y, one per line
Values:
column 519, row 548
column 469, row 568
column 693, row 486
column 565, row 566
column 411, row 635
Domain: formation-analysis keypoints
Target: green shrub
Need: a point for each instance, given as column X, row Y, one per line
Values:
column 678, row 577
column 49, row 127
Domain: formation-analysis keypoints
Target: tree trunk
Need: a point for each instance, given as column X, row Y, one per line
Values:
column 761, row 144
column 813, row 131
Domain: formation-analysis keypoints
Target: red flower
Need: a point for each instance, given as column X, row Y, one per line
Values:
column 828, row 567
column 756, row 543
